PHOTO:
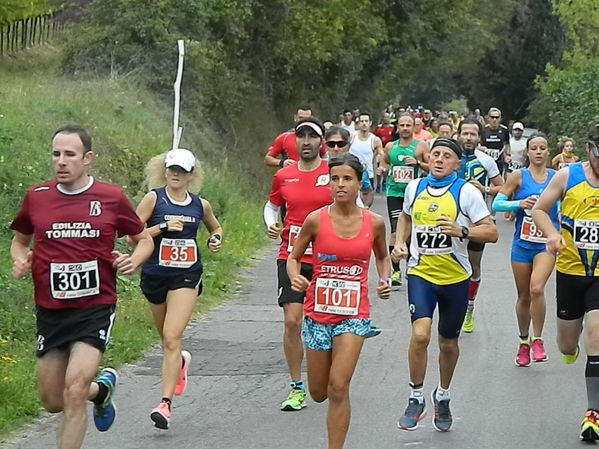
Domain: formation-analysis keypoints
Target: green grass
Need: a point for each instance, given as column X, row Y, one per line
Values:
column 129, row 126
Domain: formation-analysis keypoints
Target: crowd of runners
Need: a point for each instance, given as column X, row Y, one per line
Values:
column 443, row 175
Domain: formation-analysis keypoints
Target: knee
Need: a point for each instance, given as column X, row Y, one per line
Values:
column 420, row 338
column 318, row 394
column 338, row 391
column 293, row 325
column 448, row 345
column 52, row 403
column 592, row 337
column 537, row 290
column 171, row 341
column 76, row 393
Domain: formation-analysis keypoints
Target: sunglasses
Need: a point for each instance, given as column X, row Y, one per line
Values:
column 494, row 117
column 336, row 143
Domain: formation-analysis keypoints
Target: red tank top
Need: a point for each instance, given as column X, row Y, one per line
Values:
column 339, row 286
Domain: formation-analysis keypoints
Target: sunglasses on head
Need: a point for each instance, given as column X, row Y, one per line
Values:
column 336, row 143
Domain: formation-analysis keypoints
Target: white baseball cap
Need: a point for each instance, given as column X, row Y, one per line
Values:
column 518, row 125
column 182, row 158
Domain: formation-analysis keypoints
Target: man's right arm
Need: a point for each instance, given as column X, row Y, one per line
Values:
column 20, row 254
column 540, row 211
column 275, row 149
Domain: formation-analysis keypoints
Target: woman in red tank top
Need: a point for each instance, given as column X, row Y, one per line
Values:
column 336, row 306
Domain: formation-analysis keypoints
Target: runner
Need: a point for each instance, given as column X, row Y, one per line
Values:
column 577, row 277
column 337, row 143
column 302, row 187
column 282, row 151
column 171, row 279
column 480, row 170
column 403, row 159
column 365, row 146
column 420, row 133
column 566, row 156
column 531, row 263
column 495, row 140
column 437, row 218
column 343, row 236
column 73, row 222
column 517, row 147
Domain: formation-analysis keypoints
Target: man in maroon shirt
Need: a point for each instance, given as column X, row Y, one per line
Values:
column 72, row 222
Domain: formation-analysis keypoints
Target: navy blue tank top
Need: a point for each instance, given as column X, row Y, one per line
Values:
column 175, row 251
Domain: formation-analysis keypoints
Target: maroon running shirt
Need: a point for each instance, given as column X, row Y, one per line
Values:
column 301, row 192
column 73, row 237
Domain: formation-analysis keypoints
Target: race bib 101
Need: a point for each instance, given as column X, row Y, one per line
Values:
column 178, row 253
column 74, row 280
column 337, row 296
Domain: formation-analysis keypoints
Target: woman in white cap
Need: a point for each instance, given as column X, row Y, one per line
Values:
column 171, row 279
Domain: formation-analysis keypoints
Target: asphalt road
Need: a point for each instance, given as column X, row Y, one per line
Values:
column 238, row 378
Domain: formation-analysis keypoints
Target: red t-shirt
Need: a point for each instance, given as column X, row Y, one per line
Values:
column 339, row 286
column 73, row 236
column 285, row 144
column 384, row 133
column 301, row 192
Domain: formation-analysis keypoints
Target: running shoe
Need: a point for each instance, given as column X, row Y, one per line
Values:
column 161, row 415
column 396, row 278
column 468, row 325
column 295, row 401
column 538, row 351
column 182, row 382
column 105, row 413
column 442, row 419
column 589, row 429
column 415, row 412
column 569, row 359
column 523, row 356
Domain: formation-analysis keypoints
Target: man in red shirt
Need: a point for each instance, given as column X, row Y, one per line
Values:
column 73, row 221
column 282, row 152
column 302, row 188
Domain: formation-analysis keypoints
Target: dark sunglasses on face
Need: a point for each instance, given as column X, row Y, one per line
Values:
column 494, row 117
column 336, row 143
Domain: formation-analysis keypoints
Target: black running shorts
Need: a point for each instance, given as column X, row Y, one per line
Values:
column 59, row 328
column 285, row 294
column 576, row 295
column 155, row 288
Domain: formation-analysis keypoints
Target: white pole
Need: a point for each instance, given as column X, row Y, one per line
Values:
column 176, row 129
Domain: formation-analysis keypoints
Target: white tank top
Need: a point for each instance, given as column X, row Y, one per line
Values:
column 364, row 150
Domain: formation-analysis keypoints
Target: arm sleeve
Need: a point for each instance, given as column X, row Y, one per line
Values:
column 270, row 214
column 501, row 203
column 275, row 196
column 22, row 222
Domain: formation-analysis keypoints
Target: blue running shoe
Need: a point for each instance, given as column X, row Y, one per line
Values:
column 105, row 413
column 414, row 413
column 442, row 419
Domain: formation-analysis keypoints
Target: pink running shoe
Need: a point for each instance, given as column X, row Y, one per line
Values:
column 161, row 416
column 538, row 351
column 523, row 356
column 182, row 382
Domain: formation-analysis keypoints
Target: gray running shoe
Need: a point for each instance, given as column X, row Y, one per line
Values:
column 442, row 418
column 415, row 412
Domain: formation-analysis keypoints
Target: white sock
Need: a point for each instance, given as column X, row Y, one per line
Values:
column 442, row 395
column 418, row 394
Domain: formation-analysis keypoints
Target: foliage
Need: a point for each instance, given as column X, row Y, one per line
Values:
column 580, row 19
column 13, row 10
column 531, row 38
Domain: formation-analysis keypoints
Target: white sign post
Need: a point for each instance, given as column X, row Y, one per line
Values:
column 177, row 130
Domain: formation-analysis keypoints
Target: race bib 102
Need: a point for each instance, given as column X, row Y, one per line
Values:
column 402, row 174
column 74, row 280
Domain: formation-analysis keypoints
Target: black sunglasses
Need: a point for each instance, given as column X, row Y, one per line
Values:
column 495, row 116
column 336, row 143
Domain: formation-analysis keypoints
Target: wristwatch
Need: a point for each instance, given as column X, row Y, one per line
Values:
column 487, row 189
column 163, row 226
column 465, row 232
